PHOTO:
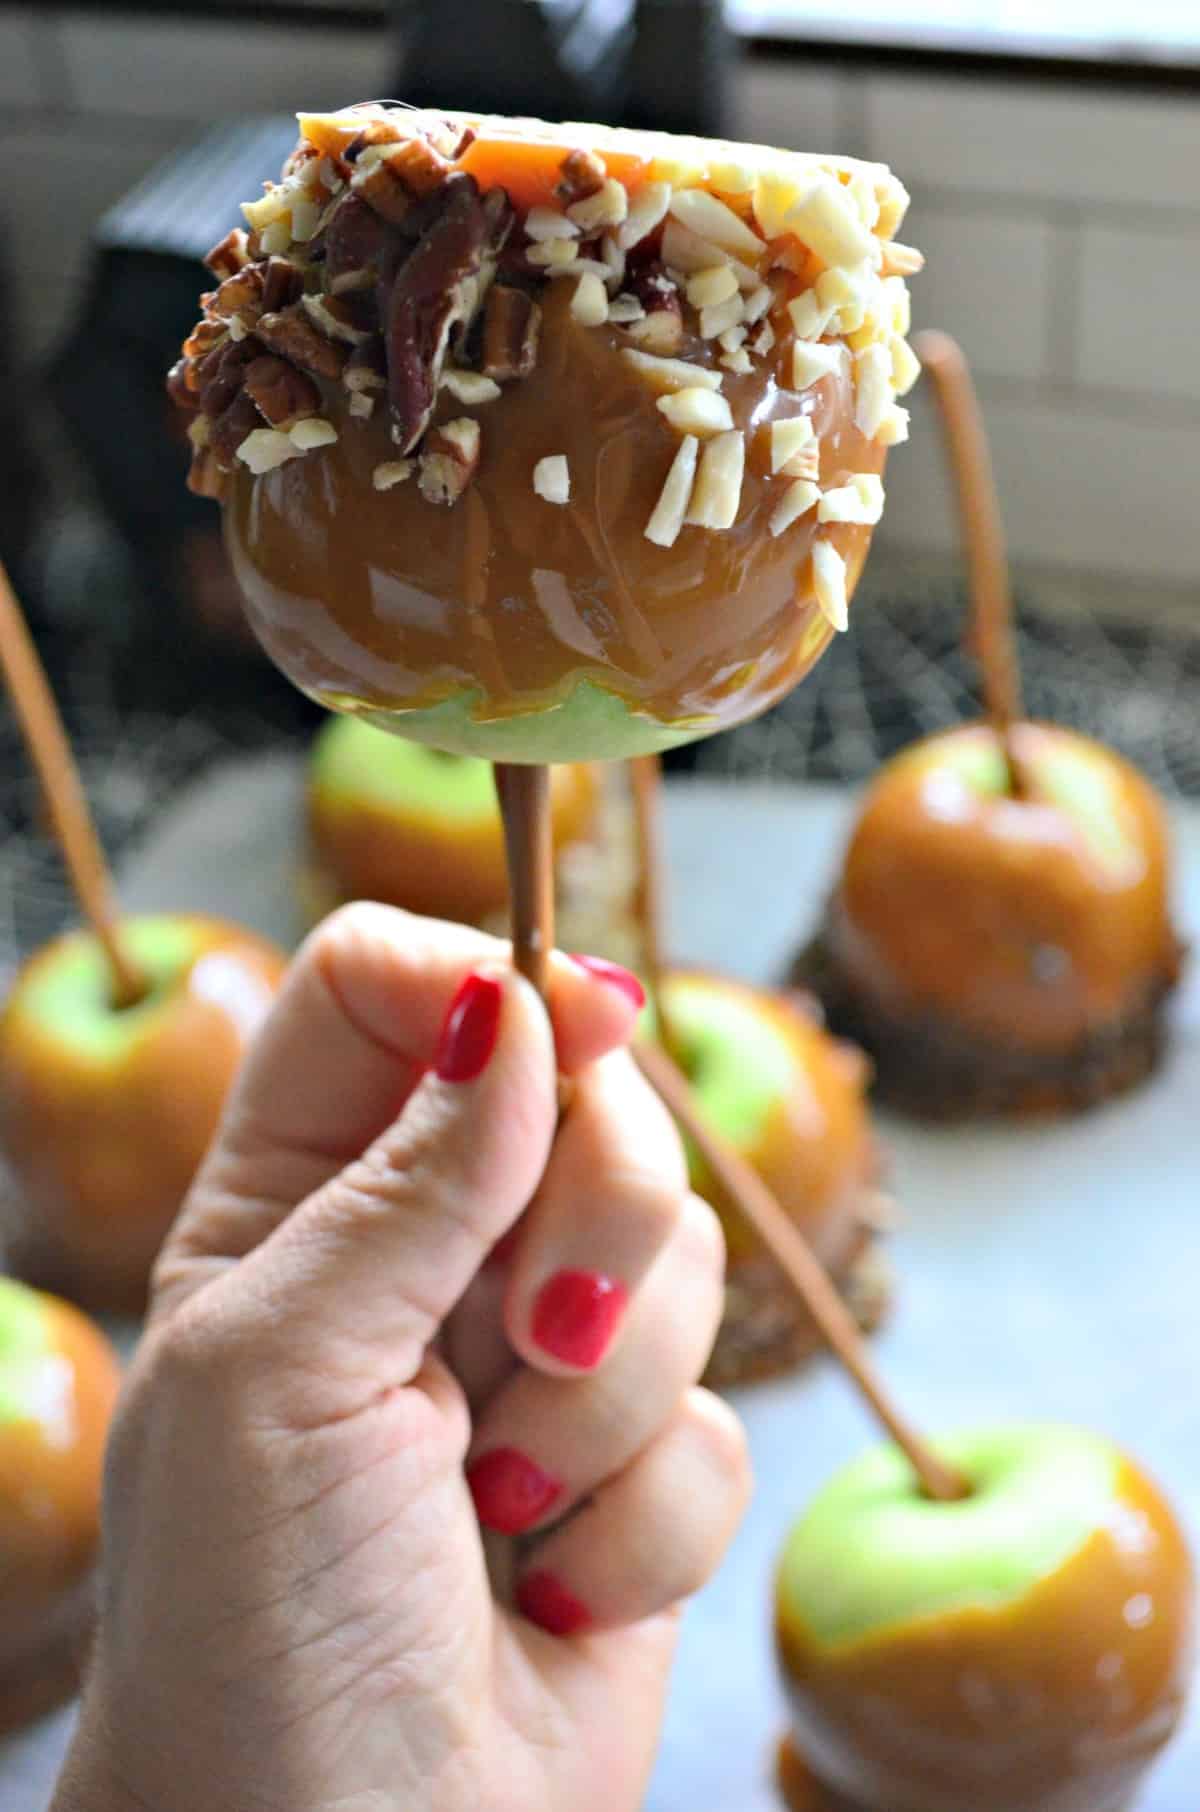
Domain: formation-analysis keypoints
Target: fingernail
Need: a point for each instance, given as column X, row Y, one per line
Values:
column 545, row 1600
column 624, row 980
column 576, row 1315
column 511, row 1492
column 469, row 1032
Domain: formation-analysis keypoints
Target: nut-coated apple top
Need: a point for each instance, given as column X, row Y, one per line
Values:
column 550, row 442
column 1037, row 919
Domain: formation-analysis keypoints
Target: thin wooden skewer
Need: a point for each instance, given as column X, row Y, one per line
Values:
column 983, row 538
column 524, row 795
column 792, row 1252
column 50, row 752
column 645, row 779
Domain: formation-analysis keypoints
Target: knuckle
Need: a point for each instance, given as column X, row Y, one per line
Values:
column 721, row 1433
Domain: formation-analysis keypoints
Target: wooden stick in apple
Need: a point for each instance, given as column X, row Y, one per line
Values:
column 983, row 537
column 50, row 751
column 800, row 1265
column 524, row 794
column 645, row 779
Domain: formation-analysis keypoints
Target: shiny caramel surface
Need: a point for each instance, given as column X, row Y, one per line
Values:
column 1057, row 1703
column 103, row 1151
column 1002, row 915
column 446, row 867
column 380, row 600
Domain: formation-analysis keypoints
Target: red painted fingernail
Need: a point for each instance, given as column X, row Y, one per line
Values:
column 469, row 1032
column 576, row 1315
column 624, row 980
column 545, row 1600
column 511, row 1492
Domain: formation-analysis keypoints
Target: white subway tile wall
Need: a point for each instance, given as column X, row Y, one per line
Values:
column 1062, row 225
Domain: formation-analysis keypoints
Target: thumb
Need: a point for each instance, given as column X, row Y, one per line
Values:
column 364, row 1272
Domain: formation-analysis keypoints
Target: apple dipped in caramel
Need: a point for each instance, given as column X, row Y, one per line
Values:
column 550, row 443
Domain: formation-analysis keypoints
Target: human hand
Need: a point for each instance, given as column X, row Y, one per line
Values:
column 296, row 1611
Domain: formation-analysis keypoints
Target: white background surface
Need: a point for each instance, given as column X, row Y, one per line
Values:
column 1048, row 1272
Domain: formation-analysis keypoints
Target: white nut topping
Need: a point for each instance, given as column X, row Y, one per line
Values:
column 392, row 472
column 551, row 252
column 237, row 328
column 265, row 448
column 623, row 309
column 274, row 205
column 686, row 253
column 896, row 306
column 313, row 431
column 613, row 259
column 873, row 393
column 827, row 222
column 845, row 296
column 362, row 404
column 718, row 488
column 732, row 338
column 810, row 317
column 543, row 224
column 862, row 193
column 893, row 428
column 757, row 303
column 276, row 239
column 763, row 340
column 737, row 361
column 902, row 260
column 829, row 584
column 812, row 361
column 578, row 267
column 713, row 219
column 723, row 315
column 796, row 501
column 589, row 304
column 671, row 374
column 906, row 367
column 648, row 206
column 859, row 501
column 696, row 411
column 668, row 514
column 787, row 438
column 552, row 478
column 608, row 207
column 306, row 215
column 469, row 386
column 709, row 287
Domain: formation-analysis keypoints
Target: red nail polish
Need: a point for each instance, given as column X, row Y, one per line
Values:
column 511, row 1492
column 576, row 1315
column 469, row 1032
column 546, row 1601
column 624, row 980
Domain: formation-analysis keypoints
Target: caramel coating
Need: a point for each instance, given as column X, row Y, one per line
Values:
column 1055, row 1704
column 427, row 862
column 1002, row 915
column 50, row 1475
column 104, row 1153
column 380, row 601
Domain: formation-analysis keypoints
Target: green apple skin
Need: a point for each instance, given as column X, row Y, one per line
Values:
column 1035, row 920
column 791, row 1100
column 105, row 1113
column 1027, row 1649
column 25, row 1342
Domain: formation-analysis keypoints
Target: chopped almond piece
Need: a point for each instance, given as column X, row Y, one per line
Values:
column 723, row 315
column 265, row 448
column 714, row 285
column 589, row 304
column 392, row 472
column 787, row 438
column 756, row 304
column 906, row 367
column 553, row 252
column 552, row 478
column 826, row 221
column 732, row 338
column 893, row 428
column 469, row 386
column 829, row 584
column 902, row 260
column 608, row 207
column 314, row 431
column 625, row 308
column 668, row 515
column 543, row 224
column 449, row 461
column 859, row 501
column 713, row 219
column 873, row 393
column 718, row 488
column 362, row 405
column 809, row 317
column 687, row 252
column 796, row 501
column 812, row 361
column 646, row 209
column 737, row 361
column 696, row 411
column 671, row 374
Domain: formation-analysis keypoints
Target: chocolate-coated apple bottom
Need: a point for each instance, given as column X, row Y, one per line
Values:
column 562, row 422
column 1058, row 1703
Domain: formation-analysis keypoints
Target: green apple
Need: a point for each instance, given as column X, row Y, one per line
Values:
column 591, row 724
column 106, row 1111
column 24, row 1344
column 1025, row 1649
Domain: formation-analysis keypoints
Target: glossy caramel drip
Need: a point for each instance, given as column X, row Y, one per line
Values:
column 999, row 914
column 1057, row 1703
column 383, row 600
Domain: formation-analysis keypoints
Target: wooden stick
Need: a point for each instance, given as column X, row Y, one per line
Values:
column 50, row 752
column 983, row 538
column 645, row 780
column 524, row 794
column 800, row 1265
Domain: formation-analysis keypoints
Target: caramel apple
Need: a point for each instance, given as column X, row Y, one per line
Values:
column 550, row 443
column 106, row 1109
column 792, row 1102
column 58, row 1382
column 397, row 821
column 1025, row 1649
column 1001, row 953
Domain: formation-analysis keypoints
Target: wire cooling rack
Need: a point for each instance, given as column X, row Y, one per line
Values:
column 900, row 672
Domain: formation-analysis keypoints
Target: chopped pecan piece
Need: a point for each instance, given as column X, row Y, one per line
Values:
column 354, row 241
column 660, row 329
column 449, row 461
column 181, row 384
column 581, row 174
column 351, row 319
column 231, row 428
column 435, row 294
column 420, row 167
column 202, row 339
column 206, row 478
column 222, row 373
column 377, row 131
column 229, row 255
column 512, row 325
column 379, row 184
column 283, row 282
column 283, row 395
column 241, row 294
column 293, row 337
